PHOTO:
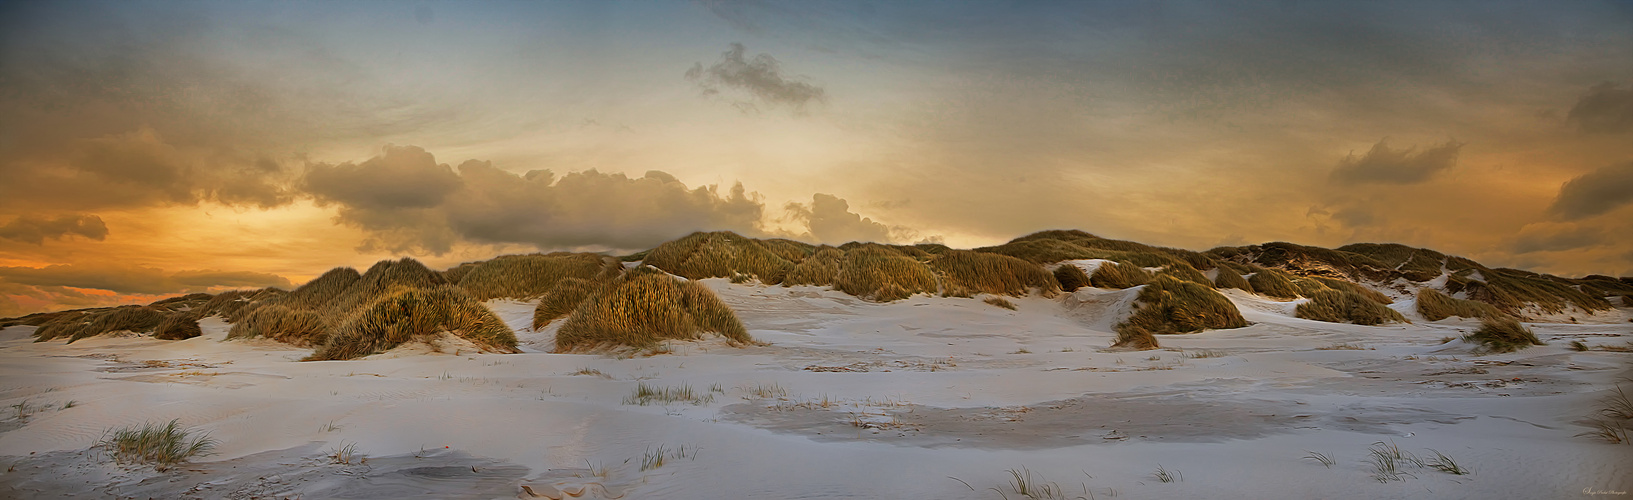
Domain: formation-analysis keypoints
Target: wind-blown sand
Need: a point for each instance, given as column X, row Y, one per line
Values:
column 849, row 400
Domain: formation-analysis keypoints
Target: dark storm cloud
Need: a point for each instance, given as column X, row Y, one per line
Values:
column 1396, row 166
column 36, row 229
column 1595, row 193
column 829, row 220
column 761, row 77
column 1604, row 109
column 410, row 204
column 135, row 279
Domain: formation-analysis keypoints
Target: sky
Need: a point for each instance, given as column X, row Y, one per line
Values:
column 156, row 148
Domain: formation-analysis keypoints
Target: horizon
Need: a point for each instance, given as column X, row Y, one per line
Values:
column 156, row 149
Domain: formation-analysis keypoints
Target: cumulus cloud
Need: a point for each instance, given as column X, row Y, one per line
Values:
column 36, row 229
column 1595, row 193
column 408, row 203
column 760, row 77
column 1604, row 109
column 828, row 219
column 1553, row 237
column 1396, row 166
column 402, row 177
column 136, row 279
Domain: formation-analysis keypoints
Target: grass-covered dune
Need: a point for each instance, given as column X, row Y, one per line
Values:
column 1169, row 305
column 345, row 313
column 643, row 308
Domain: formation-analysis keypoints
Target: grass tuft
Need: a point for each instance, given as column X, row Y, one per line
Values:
column 407, row 313
column 645, row 395
column 643, row 309
column 177, row 326
column 1323, row 458
column 1168, row 305
column 1071, row 277
column 1273, row 283
column 1443, row 463
column 561, row 300
column 1167, row 476
column 1119, row 275
column 820, row 269
column 720, row 254
column 966, row 273
column 1436, row 306
column 528, row 276
column 882, row 273
column 1339, row 306
column 1503, row 335
column 1229, row 279
column 162, row 445
column 1000, row 302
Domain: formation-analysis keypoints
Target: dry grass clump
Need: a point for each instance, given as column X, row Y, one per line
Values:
column 1071, row 277
column 1436, row 306
column 64, row 325
column 1228, row 278
column 1503, row 334
column 884, row 274
column 1308, row 287
column 1273, row 283
column 227, row 304
column 720, row 254
column 177, row 326
column 1337, row 306
column 139, row 319
column 528, row 276
column 35, row 319
column 1136, row 338
column 966, row 273
column 1512, row 290
column 160, row 445
column 1416, row 264
column 321, row 291
column 1168, row 305
column 181, row 302
column 1119, row 275
column 643, row 309
column 1045, row 251
column 1184, row 272
column 790, row 250
column 1341, row 285
column 406, row 313
column 382, row 278
column 300, row 327
column 821, row 268
column 561, row 300
column 1000, row 302
column 456, row 273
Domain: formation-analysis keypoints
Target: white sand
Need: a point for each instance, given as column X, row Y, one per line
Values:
column 867, row 401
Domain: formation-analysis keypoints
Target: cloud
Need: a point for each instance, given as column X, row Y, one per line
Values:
column 36, row 229
column 1396, row 166
column 828, row 219
column 138, row 168
column 1604, row 109
column 1553, row 237
column 1595, row 192
column 402, row 177
column 410, row 204
column 136, row 279
column 760, row 77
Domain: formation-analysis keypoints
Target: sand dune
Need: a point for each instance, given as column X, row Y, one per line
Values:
column 848, row 399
